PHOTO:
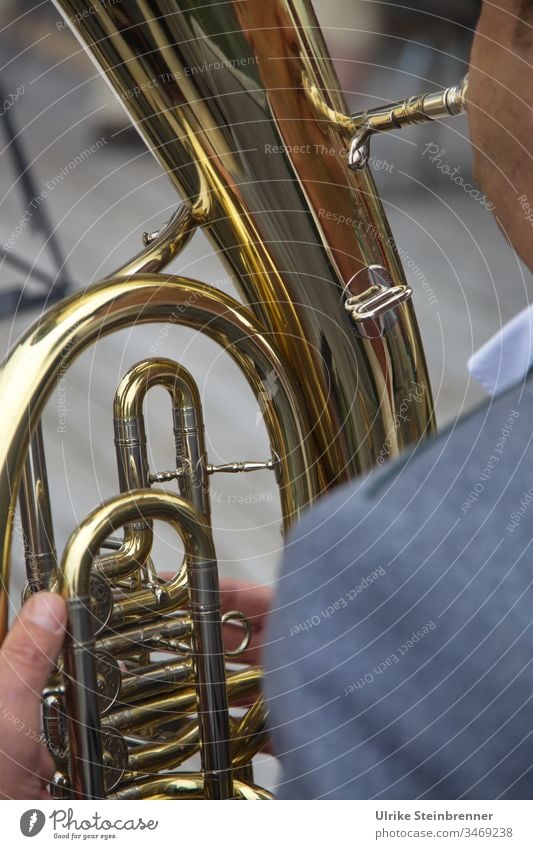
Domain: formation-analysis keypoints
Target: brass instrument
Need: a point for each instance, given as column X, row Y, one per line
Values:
column 240, row 104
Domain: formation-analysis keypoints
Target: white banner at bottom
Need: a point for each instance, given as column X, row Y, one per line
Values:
column 328, row 825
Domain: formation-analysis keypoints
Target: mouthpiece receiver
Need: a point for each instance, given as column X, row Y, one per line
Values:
column 415, row 110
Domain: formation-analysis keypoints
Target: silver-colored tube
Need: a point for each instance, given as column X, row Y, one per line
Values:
column 36, row 517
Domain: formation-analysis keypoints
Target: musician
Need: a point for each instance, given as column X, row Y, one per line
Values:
column 399, row 649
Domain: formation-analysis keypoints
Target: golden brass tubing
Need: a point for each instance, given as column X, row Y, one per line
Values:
column 249, row 735
column 402, row 113
column 156, row 678
column 29, row 374
column 132, row 463
column 36, row 517
column 292, row 221
column 188, row 426
column 151, row 636
column 163, row 598
column 182, row 785
column 79, row 652
column 165, row 754
column 169, row 754
column 414, row 110
column 164, row 708
column 131, row 556
column 323, row 111
column 162, row 248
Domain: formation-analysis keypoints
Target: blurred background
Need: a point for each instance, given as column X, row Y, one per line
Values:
column 54, row 105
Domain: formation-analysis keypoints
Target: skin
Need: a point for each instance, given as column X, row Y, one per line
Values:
column 253, row 600
column 500, row 109
column 27, row 657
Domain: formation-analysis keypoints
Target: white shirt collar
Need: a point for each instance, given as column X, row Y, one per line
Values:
column 505, row 359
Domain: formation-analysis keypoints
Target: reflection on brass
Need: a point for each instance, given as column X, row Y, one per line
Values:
column 162, row 247
column 403, row 113
column 249, row 735
column 165, row 754
column 226, row 115
column 240, row 105
column 182, row 785
column 33, row 367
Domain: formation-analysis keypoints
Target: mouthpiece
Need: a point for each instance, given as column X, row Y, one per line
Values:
column 414, row 110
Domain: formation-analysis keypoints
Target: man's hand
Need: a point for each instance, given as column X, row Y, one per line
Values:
column 255, row 602
column 27, row 657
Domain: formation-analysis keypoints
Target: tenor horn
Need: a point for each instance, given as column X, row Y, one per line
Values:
column 240, row 105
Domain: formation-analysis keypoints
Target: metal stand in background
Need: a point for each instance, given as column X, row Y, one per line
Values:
column 15, row 299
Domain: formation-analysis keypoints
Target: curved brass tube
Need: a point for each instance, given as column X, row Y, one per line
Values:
column 393, row 116
column 132, row 554
column 133, row 473
column 158, row 253
column 155, row 678
column 249, row 735
column 261, row 143
column 144, row 636
column 149, row 602
column 161, row 249
column 183, row 785
column 29, row 374
column 165, row 754
column 210, row 695
column 36, row 518
column 189, row 430
column 164, row 708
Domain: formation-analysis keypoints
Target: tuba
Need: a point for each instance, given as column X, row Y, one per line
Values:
column 240, row 105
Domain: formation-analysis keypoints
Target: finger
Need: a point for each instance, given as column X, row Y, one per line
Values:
column 254, row 600
column 30, row 649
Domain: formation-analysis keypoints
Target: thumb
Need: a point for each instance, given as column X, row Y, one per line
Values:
column 31, row 647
